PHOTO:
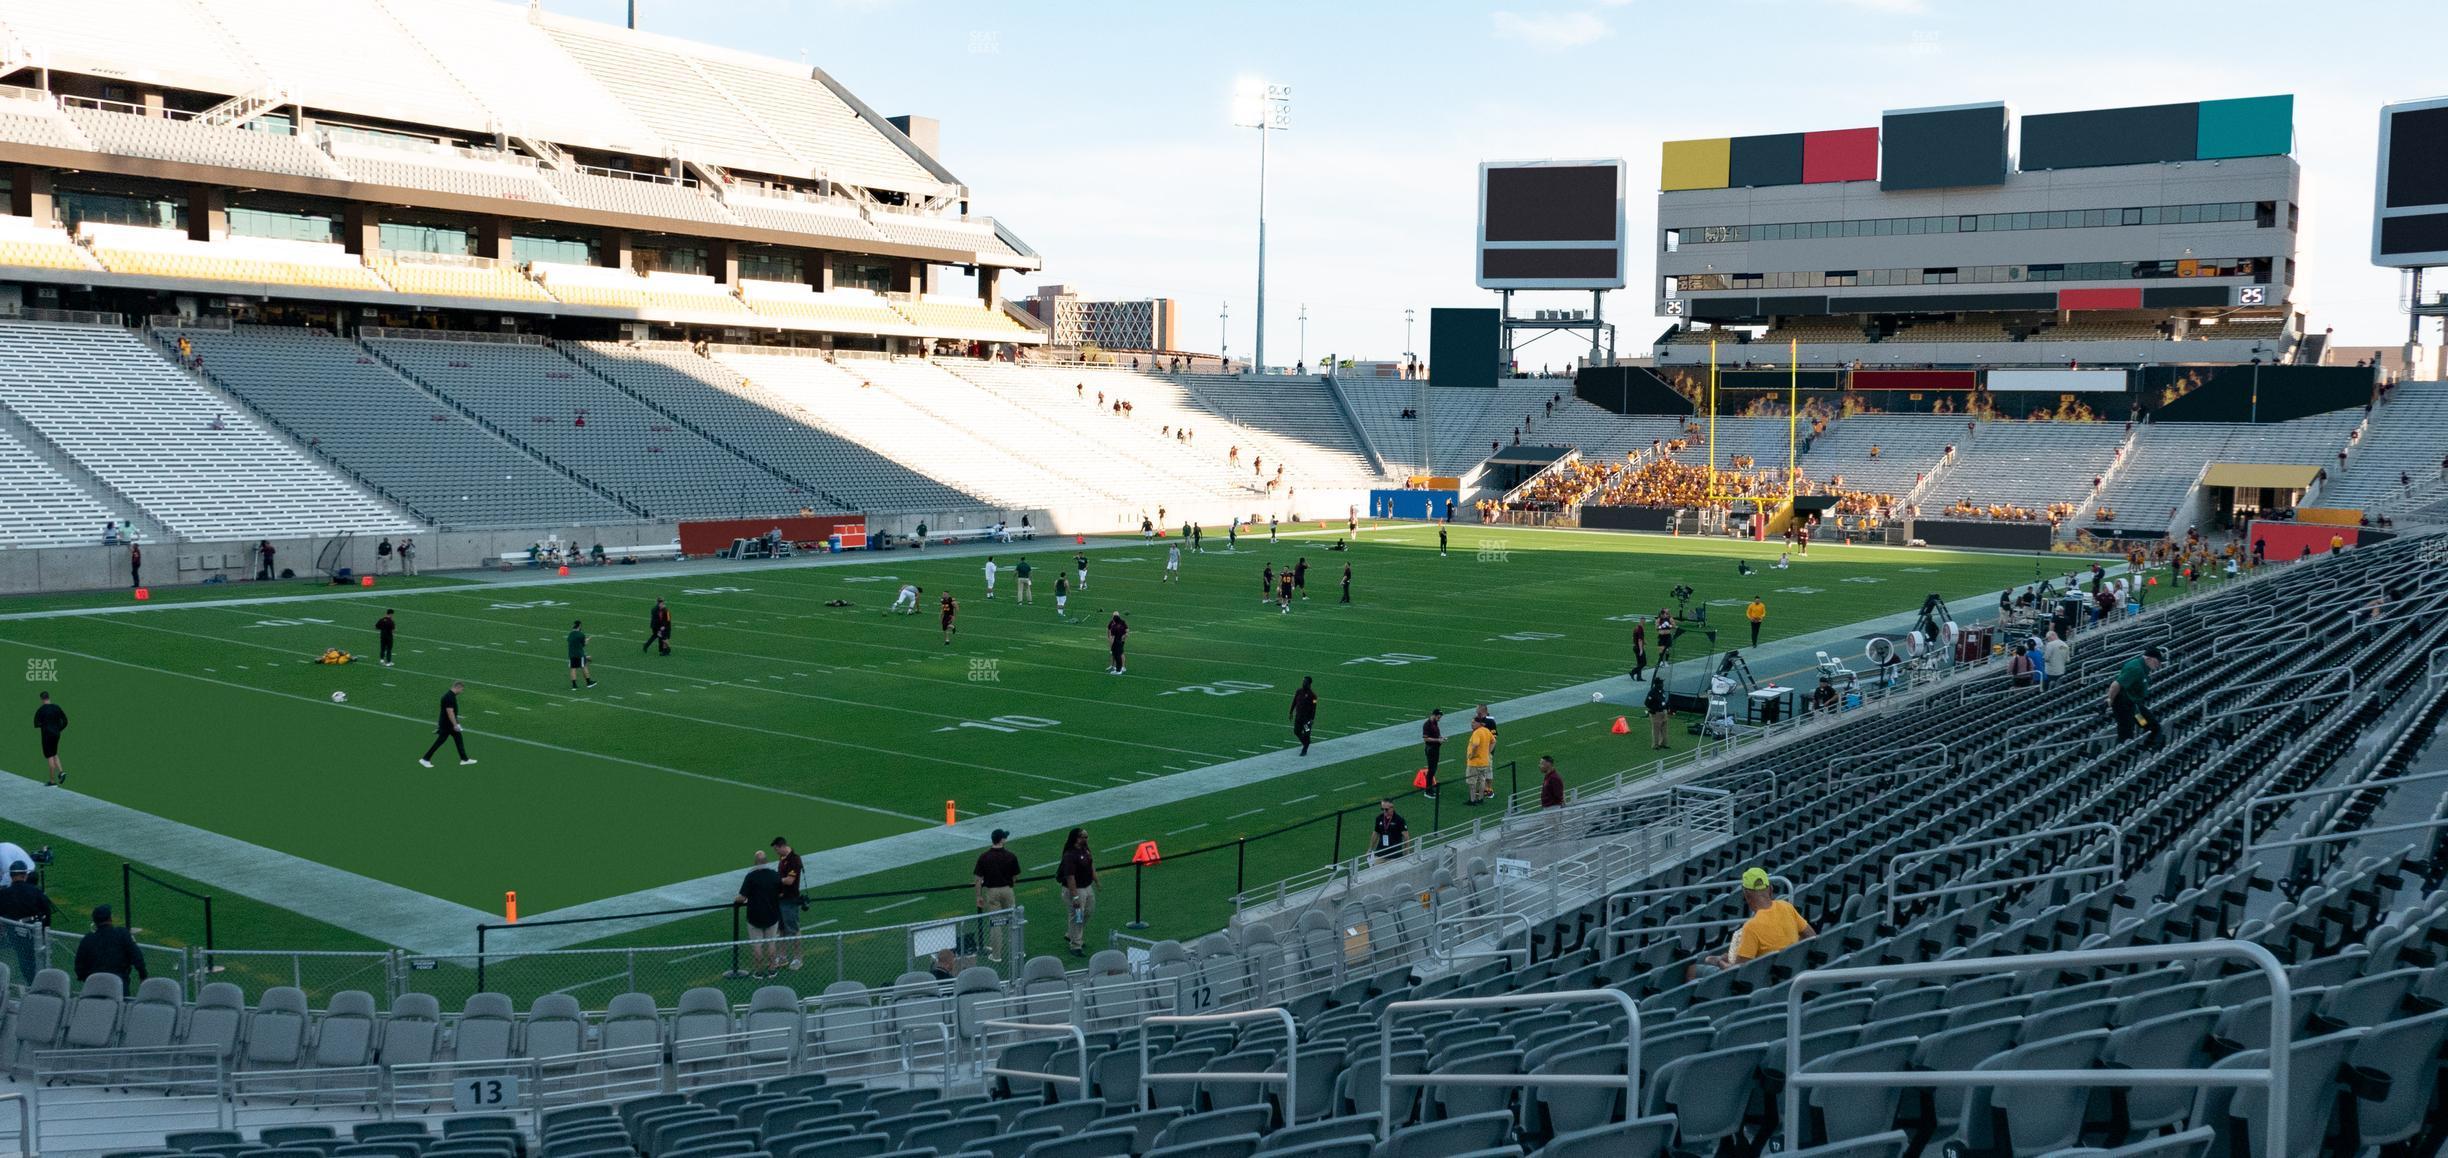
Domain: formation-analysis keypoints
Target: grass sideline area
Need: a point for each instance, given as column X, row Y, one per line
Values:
column 834, row 725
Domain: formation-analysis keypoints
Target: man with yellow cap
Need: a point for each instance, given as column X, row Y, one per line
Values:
column 1774, row 924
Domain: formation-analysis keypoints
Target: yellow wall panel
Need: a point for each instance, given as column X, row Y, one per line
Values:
column 1696, row 164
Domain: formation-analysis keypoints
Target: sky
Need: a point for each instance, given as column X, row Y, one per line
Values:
column 1101, row 134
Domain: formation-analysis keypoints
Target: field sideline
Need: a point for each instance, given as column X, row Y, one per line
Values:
column 840, row 726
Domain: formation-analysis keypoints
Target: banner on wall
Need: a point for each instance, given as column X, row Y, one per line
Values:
column 2057, row 381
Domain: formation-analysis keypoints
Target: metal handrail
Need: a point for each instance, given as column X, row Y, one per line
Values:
column 1445, row 951
column 1896, row 864
column 1290, row 1077
column 1027, row 1027
column 2251, row 846
column 1387, row 1079
column 2296, row 631
column 1616, row 933
column 2435, row 666
column 25, row 1121
column 2271, row 1077
column 2319, row 677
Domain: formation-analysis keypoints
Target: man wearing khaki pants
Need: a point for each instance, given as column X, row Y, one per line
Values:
column 1078, row 878
column 997, row 870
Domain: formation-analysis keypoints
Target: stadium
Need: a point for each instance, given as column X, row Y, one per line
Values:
column 1968, row 685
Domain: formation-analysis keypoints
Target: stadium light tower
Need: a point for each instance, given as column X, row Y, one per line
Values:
column 1266, row 108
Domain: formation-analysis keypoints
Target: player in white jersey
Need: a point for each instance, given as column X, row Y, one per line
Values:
column 1173, row 564
column 990, row 576
column 906, row 603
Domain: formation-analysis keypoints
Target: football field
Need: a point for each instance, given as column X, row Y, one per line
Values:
column 794, row 704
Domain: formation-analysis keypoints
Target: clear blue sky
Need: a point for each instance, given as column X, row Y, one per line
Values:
column 1100, row 131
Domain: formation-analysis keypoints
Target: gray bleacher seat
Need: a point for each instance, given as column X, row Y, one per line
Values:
column 42, row 1012
column 1888, row 1145
column 773, row 1023
column 487, row 1025
column 1235, row 1146
column 2194, row 1143
column 555, row 1027
column 631, row 1024
column 1448, row 1137
column 1090, row 1144
column 1635, row 1138
column 152, row 1020
column 345, row 1035
column 163, row 441
column 93, row 1018
column 700, row 1026
column 412, row 1034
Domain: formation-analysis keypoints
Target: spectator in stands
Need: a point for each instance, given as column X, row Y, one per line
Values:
column 109, row 949
column 110, row 532
column 1824, row 699
column 760, row 902
column 2129, row 696
column 996, row 871
column 2020, row 667
column 1551, row 784
column 2053, row 653
column 1392, row 833
column 23, row 904
column 1774, row 925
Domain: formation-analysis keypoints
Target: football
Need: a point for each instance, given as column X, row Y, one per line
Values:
column 339, row 697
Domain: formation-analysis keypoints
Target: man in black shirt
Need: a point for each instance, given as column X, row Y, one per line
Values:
column 1347, row 583
column 1441, row 531
column 760, row 902
column 447, row 727
column 791, row 869
column 1077, row 875
column 996, row 872
column 578, row 655
column 384, row 629
column 23, row 902
column 1116, row 630
column 1432, row 738
column 1304, row 712
column 1300, row 576
column 51, row 720
column 658, row 628
column 109, row 949
column 1392, row 832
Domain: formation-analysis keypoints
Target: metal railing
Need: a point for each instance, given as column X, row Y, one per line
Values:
column 1618, row 909
column 1079, row 1042
column 2311, row 679
column 2271, row 1077
column 1447, row 948
column 1387, row 1079
column 81, row 1096
column 2253, row 806
column 24, row 1108
column 1897, row 865
column 1289, row 1076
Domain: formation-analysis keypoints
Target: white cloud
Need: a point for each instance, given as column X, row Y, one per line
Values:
column 1891, row 7
column 1552, row 30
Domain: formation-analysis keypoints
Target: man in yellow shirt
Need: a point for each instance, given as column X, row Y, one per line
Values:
column 1479, row 760
column 1774, row 924
column 1756, row 613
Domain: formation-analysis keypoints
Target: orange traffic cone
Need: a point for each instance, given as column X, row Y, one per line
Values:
column 1082, row 540
column 565, row 571
column 1621, row 728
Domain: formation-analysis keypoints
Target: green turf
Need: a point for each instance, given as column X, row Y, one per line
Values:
column 777, row 713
